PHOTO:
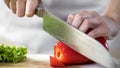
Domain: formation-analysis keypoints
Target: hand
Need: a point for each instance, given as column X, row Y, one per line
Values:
column 101, row 26
column 22, row 7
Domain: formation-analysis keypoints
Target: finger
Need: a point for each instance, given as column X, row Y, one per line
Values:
column 20, row 7
column 30, row 7
column 77, row 21
column 70, row 19
column 88, row 23
column 71, row 16
column 84, row 26
column 12, row 5
column 95, row 33
column 7, row 3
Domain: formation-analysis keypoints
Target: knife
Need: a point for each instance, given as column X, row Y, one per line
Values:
column 76, row 39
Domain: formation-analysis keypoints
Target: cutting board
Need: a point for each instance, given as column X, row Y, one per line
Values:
column 42, row 61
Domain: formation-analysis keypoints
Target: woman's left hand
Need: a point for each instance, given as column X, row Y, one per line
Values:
column 101, row 26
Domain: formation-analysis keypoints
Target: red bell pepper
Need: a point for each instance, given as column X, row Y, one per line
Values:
column 103, row 42
column 68, row 56
column 55, row 63
column 64, row 55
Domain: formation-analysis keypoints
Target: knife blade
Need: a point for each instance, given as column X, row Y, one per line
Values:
column 76, row 39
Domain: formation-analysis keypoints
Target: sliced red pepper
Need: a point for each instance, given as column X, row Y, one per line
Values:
column 103, row 41
column 55, row 63
column 68, row 56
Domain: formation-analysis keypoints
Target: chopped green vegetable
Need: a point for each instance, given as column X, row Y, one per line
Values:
column 12, row 53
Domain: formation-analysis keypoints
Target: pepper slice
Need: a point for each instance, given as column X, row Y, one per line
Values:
column 55, row 63
column 68, row 56
column 103, row 41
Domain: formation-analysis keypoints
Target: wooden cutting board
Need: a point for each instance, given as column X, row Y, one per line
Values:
column 41, row 61
column 33, row 61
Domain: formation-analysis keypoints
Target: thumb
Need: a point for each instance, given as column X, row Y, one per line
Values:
column 97, row 32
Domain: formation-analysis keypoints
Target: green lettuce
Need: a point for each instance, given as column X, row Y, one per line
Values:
column 12, row 53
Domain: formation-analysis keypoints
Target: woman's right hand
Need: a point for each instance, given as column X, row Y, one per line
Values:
column 22, row 7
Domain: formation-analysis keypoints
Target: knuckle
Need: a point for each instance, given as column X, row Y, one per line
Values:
column 79, row 16
column 100, row 19
column 94, row 13
column 87, row 21
column 83, row 12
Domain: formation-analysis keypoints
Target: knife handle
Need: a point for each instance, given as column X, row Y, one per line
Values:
column 39, row 9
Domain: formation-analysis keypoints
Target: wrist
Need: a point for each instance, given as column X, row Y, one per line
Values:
column 113, row 27
column 112, row 11
column 113, row 16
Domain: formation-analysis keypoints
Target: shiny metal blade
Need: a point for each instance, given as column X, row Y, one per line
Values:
column 77, row 40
